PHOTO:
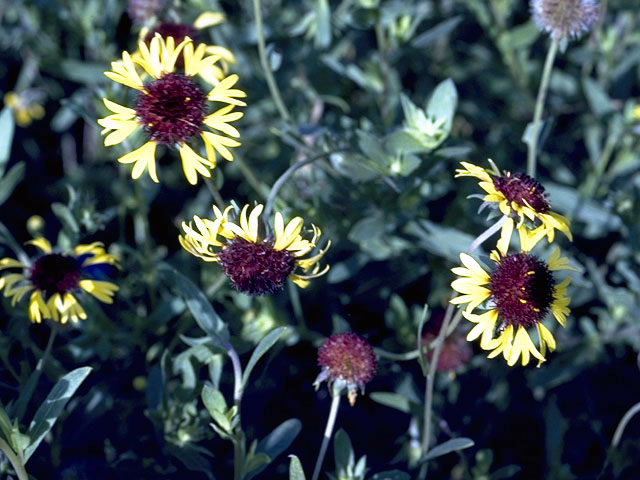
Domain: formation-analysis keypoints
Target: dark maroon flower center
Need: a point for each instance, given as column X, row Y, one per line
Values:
column 176, row 30
column 349, row 357
column 522, row 288
column 171, row 108
column 256, row 268
column 55, row 273
column 522, row 189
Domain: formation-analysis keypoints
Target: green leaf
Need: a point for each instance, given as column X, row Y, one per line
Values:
column 598, row 99
column 280, row 438
column 10, row 180
column 391, row 475
column 46, row 416
column 449, row 446
column 213, row 400
column 82, row 72
column 343, row 451
column 392, row 400
column 443, row 102
column 65, row 216
column 442, row 29
column 202, row 311
column 256, row 464
column 263, row 347
column 7, row 127
column 519, row 38
column 323, row 24
column 5, row 424
column 446, row 242
column 295, row 469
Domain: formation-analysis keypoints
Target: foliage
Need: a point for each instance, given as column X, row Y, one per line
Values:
column 380, row 101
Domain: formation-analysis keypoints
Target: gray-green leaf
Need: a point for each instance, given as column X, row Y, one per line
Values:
column 53, row 406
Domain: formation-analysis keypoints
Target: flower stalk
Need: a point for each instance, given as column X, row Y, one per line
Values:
column 328, row 432
column 537, row 114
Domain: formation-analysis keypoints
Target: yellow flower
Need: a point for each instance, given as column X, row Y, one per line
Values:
column 24, row 106
column 522, row 291
column 55, row 278
column 212, row 74
column 518, row 196
column 172, row 108
column 255, row 264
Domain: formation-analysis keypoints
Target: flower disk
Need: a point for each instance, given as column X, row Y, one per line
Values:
column 256, row 268
column 565, row 19
column 523, row 190
column 348, row 357
column 55, row 273
column 172, row 109
column 522, row 287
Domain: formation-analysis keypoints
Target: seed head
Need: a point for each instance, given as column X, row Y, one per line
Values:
column 565, row 19
column 347, row 358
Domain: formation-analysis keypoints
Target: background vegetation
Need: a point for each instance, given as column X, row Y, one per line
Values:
column 355, row 76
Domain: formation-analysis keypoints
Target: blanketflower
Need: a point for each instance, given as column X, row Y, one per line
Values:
column 255, row 264
column 349, row 359
column 212, row 74
column 522, row 290
column 518, row 196
column 172, row 108
column 55, row 278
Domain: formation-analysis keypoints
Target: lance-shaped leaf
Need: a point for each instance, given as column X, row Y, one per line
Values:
column 48, row 413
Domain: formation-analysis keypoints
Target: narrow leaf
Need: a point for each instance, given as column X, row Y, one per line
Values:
column 202, row 311
column 7, row 126
column 449, row 446
column 9, row 182
column 46, row 416
column 280, row 438
column 263, row 347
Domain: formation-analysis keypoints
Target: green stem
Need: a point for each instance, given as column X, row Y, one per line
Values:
column 617, row 436
column 16, row 462
column 260, row 188
column 328, row 432
column 448, row 326
column 537, row 114
column 215, row 193
column 397, row 357
column 279, row 183
column 271, row 82
column 431, row 375
column 239, row 444
column 33, row 383
column 592, row 184
column 148, row 247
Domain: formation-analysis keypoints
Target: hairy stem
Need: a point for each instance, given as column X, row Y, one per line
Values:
column 537, row 114
column 239, row 447
column 215, row 193
column 617, row 436
column 279, row 183
column 328, row 432
column 271, row 82
column 448, row 325
column 15, row 461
